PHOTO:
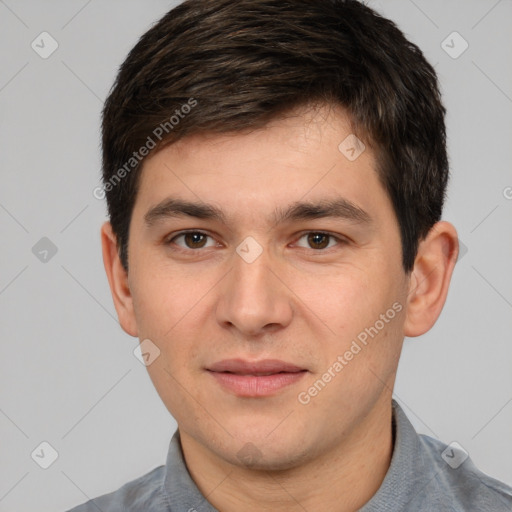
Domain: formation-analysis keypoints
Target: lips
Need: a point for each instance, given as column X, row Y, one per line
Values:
column 255, row 379
column 265, row 367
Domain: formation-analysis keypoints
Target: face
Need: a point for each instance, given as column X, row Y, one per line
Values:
column 277, row 302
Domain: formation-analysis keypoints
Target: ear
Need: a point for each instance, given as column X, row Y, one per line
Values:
column 430, row 278
column 118, row 280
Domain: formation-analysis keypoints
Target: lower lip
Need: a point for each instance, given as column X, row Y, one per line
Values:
column 255, row 386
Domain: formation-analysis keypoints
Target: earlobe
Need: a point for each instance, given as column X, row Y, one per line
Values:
column 430, row 279
column 118, row 280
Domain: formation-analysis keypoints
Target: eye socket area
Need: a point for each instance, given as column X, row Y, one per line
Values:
column 319, row 238
column 191, row 237
column 317, row 241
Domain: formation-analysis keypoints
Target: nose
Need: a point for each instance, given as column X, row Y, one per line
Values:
column 254, row 298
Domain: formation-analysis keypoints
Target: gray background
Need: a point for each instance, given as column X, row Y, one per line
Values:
column 68, row 374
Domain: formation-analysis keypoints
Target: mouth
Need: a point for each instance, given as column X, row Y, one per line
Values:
column 255, row 379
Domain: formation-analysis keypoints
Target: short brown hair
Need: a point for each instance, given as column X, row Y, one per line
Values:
column 225, row 66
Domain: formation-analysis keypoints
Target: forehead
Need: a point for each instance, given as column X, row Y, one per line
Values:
column 305, row 129
column 308, row 155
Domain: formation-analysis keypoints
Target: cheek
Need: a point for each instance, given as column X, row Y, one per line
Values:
column 355, row 304
column 342, row 300
column 170, row 314
column 162, row 299
column 152, row 309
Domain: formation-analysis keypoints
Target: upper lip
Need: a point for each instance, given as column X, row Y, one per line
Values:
column 242, row 367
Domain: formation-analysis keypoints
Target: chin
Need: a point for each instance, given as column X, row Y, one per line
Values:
column 266, row 453
column 264, row 458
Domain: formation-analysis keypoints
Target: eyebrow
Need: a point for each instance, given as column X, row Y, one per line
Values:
column 340, row 208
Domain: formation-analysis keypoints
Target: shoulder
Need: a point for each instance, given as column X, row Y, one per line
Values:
column 142, row 493
column 457, row 484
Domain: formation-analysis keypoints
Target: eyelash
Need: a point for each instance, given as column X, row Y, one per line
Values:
column 341, row 241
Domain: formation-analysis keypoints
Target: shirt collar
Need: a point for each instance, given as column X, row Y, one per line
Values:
column 398, row 488
column 179, row 488
column 408, row 472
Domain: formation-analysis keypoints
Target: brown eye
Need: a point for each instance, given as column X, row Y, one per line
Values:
column 318, row 240
column 191, row 240
column 194, row 240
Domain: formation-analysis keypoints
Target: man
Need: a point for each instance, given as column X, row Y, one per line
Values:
column 275, row 172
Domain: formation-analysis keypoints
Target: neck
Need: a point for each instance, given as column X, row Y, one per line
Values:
column 342, row 479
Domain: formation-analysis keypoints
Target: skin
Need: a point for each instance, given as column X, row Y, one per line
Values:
column 298, row 302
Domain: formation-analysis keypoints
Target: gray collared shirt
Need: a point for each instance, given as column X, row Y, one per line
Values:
column 425, row 475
